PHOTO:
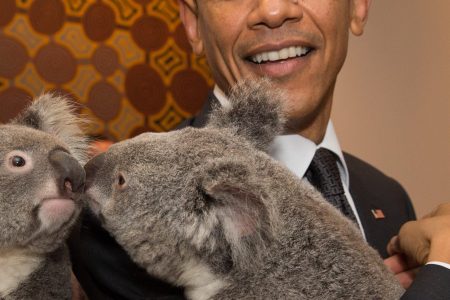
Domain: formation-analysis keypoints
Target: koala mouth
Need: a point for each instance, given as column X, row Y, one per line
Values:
column 54, row 212
column 93, row 203
column 94, row 206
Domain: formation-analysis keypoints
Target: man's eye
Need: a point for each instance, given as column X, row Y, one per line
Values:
column 18, row 161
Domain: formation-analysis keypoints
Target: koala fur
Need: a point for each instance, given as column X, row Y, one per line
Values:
column 207, row 209
column 41, row 180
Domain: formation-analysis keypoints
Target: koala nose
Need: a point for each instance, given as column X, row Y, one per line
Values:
column 71, row 174
column 92, row 167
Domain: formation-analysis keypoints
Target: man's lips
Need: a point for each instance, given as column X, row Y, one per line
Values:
column 279, row 55
column 281, row 63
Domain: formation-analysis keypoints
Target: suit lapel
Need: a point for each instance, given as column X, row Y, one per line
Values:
column 381, row 203
column 374, row 229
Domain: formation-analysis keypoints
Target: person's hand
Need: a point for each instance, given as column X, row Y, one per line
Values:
column 77, row 291
column 399, row 266
column 424, row 240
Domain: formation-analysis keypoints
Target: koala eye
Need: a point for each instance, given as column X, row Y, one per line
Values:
column 18, row 161
column 121, row 180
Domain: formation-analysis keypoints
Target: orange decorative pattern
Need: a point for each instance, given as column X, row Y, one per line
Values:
column 127, row 62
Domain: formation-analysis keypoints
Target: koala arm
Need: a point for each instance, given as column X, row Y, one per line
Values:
column 50, row 281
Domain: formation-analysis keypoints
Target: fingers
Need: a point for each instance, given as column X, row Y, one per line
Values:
column 414, row 241
column 427, row 239
column 403, row 272
column 396, row 263
column 393, row 246
column 77, row 291
column 406, row 278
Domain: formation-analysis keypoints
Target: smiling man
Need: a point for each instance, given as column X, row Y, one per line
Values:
column 301, row 45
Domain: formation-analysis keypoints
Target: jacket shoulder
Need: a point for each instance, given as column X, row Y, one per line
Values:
column 372, row 177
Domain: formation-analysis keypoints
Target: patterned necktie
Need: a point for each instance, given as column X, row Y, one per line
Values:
column 323, row 173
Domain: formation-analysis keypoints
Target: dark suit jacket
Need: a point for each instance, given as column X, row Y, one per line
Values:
column 106, row 272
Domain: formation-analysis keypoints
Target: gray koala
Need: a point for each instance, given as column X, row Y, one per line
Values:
column 207, row 209
column 41, row 180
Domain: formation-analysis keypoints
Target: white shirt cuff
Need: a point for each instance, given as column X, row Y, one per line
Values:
column 442, row 264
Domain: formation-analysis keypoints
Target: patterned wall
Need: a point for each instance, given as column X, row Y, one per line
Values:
column 127, row 62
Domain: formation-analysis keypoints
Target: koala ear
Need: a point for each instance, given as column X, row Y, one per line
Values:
column 254, row 112
column 56, row 115
column 229, row 194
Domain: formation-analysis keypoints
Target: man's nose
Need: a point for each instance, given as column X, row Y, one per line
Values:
column 274, row 13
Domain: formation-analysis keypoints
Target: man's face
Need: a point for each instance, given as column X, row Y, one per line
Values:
column 300, row 44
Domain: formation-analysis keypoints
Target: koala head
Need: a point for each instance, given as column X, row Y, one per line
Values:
column 41, row 176
column 174, row 199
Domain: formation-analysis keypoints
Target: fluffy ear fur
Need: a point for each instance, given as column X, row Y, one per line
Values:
column 232, row 197
column 57, row 116
column 254, row 113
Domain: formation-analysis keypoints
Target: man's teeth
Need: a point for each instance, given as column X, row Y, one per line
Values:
column 279, row 55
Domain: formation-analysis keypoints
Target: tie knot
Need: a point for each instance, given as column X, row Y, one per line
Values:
column 324, row 174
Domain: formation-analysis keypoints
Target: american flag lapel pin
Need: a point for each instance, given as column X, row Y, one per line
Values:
column 378, row 213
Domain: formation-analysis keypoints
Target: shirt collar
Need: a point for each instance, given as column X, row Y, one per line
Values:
column 331, row 143
column 295, row 151
column 220, row 95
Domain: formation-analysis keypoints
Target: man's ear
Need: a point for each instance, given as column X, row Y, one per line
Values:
column 189, row 17
column 359, row 15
